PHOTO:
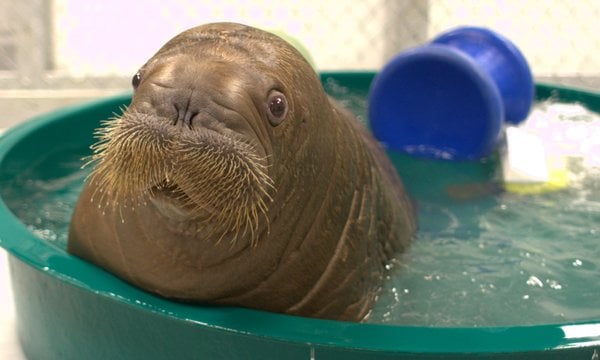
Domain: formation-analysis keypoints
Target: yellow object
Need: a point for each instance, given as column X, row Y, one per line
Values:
column 526, row 167
column 558, row 180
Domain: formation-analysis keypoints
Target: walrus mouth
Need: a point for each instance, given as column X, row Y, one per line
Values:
column 205, row 175
column 172, row 193
column 175, row 204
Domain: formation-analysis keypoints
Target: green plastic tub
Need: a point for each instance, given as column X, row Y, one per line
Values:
column 69, row 309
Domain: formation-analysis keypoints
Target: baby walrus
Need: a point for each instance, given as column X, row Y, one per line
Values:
column 233, row 179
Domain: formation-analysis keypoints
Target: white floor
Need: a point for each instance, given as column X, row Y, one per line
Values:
column 9, row 345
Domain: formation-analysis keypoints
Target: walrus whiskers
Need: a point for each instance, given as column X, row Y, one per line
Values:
column 129, row 158
column 235, row 188
column 135, row 159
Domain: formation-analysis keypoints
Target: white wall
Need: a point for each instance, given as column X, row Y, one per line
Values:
column 115, row 37
column 556, row 36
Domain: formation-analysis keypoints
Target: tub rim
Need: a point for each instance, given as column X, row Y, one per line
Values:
column 56, row 262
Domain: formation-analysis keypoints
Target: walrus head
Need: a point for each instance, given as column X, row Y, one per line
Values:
column 204, row 128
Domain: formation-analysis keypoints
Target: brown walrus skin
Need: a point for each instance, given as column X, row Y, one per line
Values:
column 233, row 179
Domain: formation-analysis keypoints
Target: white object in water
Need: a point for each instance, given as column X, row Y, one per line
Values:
column 525, row 159
column 527, row 168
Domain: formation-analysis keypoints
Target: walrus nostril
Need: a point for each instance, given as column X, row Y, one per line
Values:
column 185, row 116
column 179, row 115
column 192, row 115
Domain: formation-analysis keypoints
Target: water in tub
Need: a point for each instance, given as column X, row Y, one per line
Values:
column 502, row 258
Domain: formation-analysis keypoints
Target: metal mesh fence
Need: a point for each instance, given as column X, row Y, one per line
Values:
column 57, row 45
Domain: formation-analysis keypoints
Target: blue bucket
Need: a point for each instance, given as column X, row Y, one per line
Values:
column 450, row 98
column 502, row 61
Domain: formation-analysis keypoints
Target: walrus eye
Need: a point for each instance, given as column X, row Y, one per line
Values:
column 277, row 107
column 136, row 80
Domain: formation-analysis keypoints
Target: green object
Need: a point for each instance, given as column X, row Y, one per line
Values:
column 296, row 44
column 69, row 309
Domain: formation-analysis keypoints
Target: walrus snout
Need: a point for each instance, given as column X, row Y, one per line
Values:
column 201, row 171
column 194, row 96
column 182, row 108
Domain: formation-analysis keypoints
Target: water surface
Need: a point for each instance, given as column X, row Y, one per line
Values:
column 493, row 259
